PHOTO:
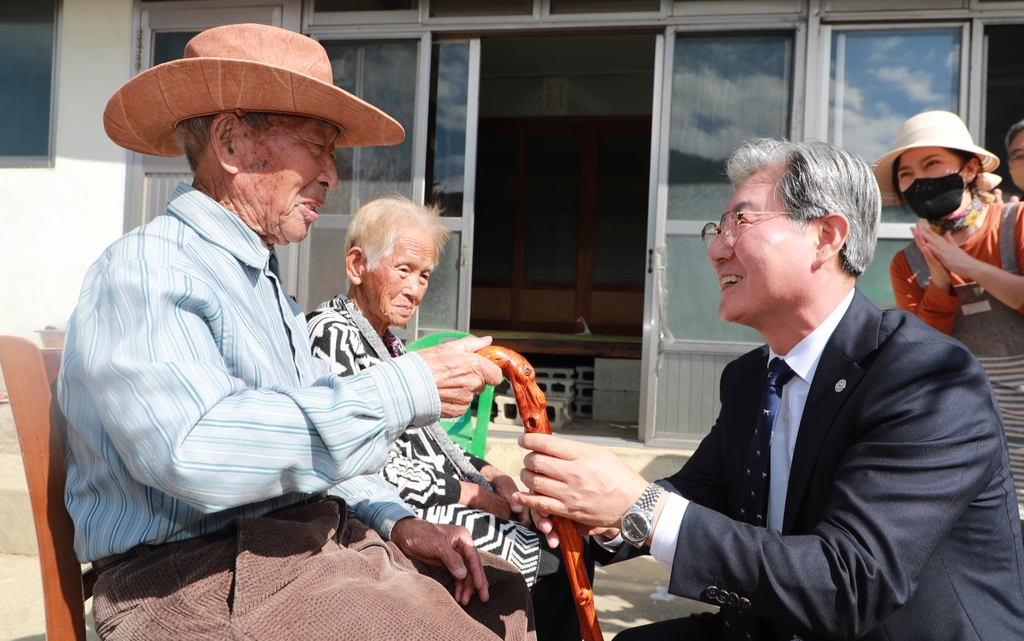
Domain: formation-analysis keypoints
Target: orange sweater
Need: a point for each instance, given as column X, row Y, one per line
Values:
column 938, row 308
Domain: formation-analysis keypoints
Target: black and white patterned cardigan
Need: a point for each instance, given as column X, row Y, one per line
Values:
column 424, row 464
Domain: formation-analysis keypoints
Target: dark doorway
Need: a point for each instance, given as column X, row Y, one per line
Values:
column 1004, row 93
column 563, row 170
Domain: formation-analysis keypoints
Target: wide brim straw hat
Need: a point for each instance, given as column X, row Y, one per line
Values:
column 241, row 68
column 933, row 129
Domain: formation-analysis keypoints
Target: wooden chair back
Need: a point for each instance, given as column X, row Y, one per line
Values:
column 29, row 373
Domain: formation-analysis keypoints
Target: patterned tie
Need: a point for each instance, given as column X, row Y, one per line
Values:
column 754, row 484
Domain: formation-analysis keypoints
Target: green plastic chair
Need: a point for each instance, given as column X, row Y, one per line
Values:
column 461, row 430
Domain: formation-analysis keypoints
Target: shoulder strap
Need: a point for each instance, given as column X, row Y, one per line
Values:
column 918, row 265
column 1008, row 238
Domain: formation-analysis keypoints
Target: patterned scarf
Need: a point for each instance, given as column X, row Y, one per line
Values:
column 961, row 219
column 392, row 343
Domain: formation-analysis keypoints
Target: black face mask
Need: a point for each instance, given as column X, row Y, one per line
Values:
column 935, row 198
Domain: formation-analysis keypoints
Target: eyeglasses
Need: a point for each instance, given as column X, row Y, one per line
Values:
column 729, row 227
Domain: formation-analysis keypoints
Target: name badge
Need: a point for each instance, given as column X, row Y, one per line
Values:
column 976, row 308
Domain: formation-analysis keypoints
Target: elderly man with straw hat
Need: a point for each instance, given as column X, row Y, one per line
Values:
column 213, row 463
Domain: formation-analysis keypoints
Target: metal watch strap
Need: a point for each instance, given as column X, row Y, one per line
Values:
column 648, row 499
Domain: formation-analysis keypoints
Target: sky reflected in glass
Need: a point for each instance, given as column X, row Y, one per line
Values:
column 882, row 78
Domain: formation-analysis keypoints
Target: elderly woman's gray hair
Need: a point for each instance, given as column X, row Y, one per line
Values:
column 379, row 222
column 820, row 179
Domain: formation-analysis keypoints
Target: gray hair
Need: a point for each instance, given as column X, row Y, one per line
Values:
column 193, row 134
column 379, row 222
column 819, row 179
column 1014, row 130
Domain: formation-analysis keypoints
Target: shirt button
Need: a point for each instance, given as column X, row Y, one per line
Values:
column 785, row 417
column 744, row 603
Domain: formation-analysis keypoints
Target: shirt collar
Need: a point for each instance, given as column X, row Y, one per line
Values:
column 215, row 223
column 803, row 358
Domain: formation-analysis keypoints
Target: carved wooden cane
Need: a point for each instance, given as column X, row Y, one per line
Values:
column 533, row 410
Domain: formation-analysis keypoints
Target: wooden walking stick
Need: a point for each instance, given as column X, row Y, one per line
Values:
column 533, row 410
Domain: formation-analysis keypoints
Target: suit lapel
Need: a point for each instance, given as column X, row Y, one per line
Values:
column 855, row 337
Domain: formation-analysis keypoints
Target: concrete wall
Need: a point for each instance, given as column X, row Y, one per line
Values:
column 55, row 222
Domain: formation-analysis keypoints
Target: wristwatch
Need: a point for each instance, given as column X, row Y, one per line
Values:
column 637, row 521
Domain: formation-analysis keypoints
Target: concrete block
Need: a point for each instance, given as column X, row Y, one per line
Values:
column 556, row 388
column 564, row 373
column 583, row 408
column 559, row 411
column 585, row 374
column 617, row 374
column 616, row 405
column 584, row 392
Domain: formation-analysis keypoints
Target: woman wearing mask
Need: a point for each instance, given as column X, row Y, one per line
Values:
column 962, row 272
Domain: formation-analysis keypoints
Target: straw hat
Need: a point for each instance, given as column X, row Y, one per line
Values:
column 933, row 129
column 243, row 66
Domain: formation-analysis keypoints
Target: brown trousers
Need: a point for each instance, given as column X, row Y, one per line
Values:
column 295, row 574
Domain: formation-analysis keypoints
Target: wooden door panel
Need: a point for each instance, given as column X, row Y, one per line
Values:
column 561, row 224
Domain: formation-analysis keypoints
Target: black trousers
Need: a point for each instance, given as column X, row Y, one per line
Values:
column 554, row 608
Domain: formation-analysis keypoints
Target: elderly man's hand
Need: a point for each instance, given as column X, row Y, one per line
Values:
column 460, row 372
column 449, row 546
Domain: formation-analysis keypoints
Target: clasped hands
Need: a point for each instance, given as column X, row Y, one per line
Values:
column 582, row 482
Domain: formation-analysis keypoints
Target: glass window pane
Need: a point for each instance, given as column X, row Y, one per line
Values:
column 451, row 8
column 383, row 74
column 1004, row 97
column 552, row 209
column 881, row 78
column 327, row 265
column 603, row 6
column 365, row 5
column 724, row 91
column 170, row 45
column 620, row 217
column 440, row 306
column 446, row 138
column 875, row 282
column 691, row 306
column 495, row 216
column 26, row 78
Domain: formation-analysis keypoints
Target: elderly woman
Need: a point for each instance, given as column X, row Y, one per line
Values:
column 962, row 273
column 391, row 248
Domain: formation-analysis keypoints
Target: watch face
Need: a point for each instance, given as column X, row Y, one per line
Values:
column 635, row 527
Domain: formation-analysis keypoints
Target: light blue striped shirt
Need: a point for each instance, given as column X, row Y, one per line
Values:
column 192, row 397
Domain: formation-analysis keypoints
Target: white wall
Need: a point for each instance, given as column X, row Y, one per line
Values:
column 55, row 222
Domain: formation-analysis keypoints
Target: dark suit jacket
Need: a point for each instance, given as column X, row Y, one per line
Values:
column 901, row 520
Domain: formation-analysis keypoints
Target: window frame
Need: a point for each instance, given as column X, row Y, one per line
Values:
column 49, row 160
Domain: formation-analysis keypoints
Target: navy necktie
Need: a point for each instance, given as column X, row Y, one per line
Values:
column 754, row 484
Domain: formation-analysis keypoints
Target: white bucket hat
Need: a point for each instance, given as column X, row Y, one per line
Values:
column 933, row 129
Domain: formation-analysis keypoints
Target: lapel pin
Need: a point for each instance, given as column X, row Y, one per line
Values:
column 841, row 385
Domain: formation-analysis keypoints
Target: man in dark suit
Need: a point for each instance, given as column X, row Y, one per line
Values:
column 857, row 482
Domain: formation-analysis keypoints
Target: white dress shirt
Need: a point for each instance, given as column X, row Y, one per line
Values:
column 803, row 360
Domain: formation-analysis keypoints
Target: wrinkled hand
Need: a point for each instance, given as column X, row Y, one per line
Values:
column 449, row 546
column 475, row 496
column 506, row 488
column 579, row 481
column 460, row 372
